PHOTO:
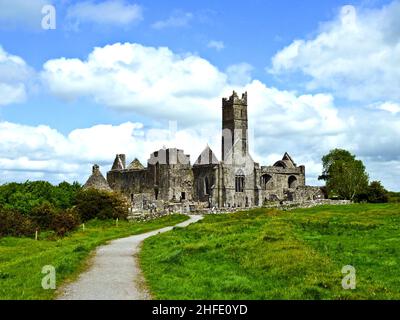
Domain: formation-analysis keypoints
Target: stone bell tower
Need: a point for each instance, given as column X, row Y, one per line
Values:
column 234, row 128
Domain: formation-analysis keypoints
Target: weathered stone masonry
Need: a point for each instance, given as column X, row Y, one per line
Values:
column 234, row 182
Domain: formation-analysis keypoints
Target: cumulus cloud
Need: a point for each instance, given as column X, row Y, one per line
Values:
column 390, row 107
column 110, row 12
column 14, row 75
column 239, row 74
column 22, row 13
column 176, row 20
column 356, row 55
column 150, row 81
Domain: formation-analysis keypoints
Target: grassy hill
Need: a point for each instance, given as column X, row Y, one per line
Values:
column 269, row 254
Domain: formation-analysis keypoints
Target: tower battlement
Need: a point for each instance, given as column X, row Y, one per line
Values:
column 235, row 100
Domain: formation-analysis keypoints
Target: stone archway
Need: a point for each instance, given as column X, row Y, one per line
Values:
column 266, row 182
column 292, row 182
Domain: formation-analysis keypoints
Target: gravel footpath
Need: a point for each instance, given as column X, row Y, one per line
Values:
column 114, row 272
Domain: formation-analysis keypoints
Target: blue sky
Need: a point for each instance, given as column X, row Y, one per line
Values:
column 325, row 68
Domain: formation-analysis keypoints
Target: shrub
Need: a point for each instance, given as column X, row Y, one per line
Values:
column 42, row 215
column 103, row 205
column 13, row 223
column 377, row 193
column 64, row 221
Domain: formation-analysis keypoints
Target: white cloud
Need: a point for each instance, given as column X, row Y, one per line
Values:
column 110, row 12
column 176, row 20
column 239, row 74
column 22, row 13
column 217, row 45
column 390, row 107
column 357, row 55
column 150, row 81
column 14, row 75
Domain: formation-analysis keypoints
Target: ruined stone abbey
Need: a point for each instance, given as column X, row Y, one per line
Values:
column 234, row 182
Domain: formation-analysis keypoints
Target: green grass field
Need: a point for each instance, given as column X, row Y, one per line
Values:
column 22, row 259
column 270, row 254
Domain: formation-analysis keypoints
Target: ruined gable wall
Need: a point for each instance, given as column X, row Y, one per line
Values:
column 129, row 181
column 278, row 186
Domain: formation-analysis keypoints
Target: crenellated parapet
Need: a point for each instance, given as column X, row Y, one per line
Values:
column 235, row 100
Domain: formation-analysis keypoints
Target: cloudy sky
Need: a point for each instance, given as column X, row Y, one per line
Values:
column 134, row 76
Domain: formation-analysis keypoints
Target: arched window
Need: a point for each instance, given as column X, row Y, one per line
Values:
column 239, row 181
column 266, row 182
column 292, row 182
column 280, row 164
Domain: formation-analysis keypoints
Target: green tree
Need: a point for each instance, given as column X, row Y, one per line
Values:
column 345, row 176
column 376, row 193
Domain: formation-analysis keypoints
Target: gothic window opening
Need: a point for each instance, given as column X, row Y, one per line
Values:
column 239, row 182
column 266, row 182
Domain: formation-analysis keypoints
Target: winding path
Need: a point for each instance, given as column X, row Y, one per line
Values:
column 114, row 273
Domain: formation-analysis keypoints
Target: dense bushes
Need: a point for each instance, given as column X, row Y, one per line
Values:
column 31, row 206
column 64, row 221
column 377, row 193
column 42, row 215
column 13, row 223
column 92, row 204
column 46, row 217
